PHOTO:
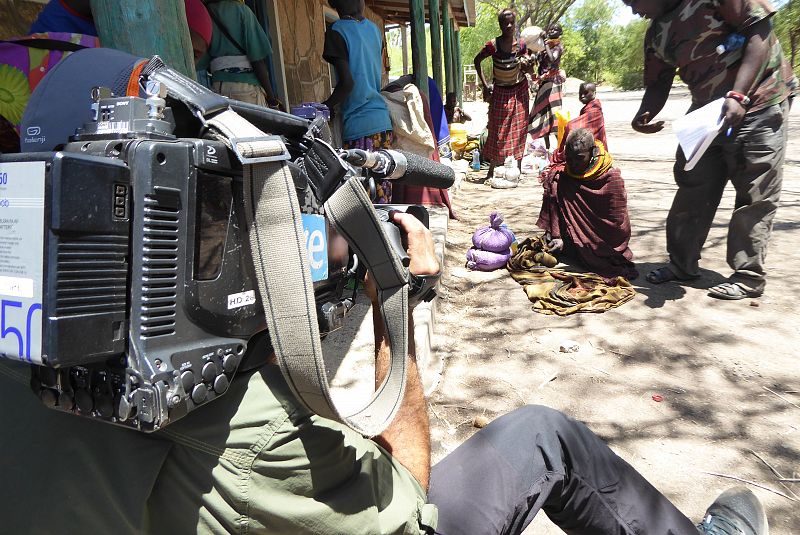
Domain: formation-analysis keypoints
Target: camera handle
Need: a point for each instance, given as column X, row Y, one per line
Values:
column 394, row 235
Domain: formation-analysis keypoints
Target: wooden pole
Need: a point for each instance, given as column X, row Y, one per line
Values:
column 459, row 68
column 419, row 48
column 146, row 28
column 448, row 48
column 404, row 37
column 434, row 14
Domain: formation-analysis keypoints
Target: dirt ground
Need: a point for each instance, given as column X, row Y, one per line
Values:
column 728, row 372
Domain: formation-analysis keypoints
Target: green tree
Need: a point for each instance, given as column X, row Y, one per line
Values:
column 592, row 20
column 533, row 12
column 787, row 27
column 624, row 66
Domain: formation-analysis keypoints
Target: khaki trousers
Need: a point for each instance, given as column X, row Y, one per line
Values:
column 253, row 94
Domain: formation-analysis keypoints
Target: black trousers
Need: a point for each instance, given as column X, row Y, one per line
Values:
column 537, row 458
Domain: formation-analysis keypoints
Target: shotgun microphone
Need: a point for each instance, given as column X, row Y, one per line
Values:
column 402, row 166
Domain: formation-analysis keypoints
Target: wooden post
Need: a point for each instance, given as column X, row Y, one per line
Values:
column 436, row 43
column 404, row 37
column 419, row 49
column 146, row 28
column 459, row 68
column 447, row 37
column 273, row 15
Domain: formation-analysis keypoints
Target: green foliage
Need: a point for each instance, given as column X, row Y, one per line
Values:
column 592, row 20
column 394, row 46
column 787, row 27
column 473, row 39
column 625, row 68
column 598, row 50
column 574, row 51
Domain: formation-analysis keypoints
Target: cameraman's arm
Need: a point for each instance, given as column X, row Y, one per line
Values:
column 408, row 436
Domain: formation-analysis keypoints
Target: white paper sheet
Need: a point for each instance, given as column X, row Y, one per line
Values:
column 696, row 130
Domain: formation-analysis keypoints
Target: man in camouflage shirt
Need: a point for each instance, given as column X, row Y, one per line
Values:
column 757, row 85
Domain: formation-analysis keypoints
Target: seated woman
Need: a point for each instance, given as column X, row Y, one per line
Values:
column 453, row 111
column 591, row 118
column 585, row 208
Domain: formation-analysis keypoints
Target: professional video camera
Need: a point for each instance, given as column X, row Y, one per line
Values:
column 126, row 278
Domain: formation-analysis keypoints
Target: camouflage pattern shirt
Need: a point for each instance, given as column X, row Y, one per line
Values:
column 686, row 39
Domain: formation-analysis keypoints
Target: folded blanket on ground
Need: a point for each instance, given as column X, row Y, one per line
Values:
column 559, row 292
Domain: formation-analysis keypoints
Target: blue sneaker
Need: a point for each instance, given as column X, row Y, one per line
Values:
column 736, row 511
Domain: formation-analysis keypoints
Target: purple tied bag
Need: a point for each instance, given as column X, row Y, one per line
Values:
column 492, row 245
column 496, row 238
column 486, row 261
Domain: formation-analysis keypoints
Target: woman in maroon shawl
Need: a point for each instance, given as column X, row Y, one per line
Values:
column 585, row 208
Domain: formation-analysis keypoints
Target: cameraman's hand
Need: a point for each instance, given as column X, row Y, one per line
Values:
column 419, row 242
column 419, row 245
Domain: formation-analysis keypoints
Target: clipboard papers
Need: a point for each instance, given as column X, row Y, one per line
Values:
column 696, row 130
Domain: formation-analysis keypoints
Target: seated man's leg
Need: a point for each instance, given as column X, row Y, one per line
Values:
column 537, row 458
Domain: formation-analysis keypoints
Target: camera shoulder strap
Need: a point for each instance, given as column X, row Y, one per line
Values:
column 277, row 245
column 287, row 292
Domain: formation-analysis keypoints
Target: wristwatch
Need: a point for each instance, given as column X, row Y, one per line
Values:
column 422, row 288
column 743, row 99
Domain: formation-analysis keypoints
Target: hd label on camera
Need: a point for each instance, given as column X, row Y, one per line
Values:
column 22, row 188
column 241, row 299
column 316, row 236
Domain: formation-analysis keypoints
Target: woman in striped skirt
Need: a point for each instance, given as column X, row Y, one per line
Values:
column 550, row 79
column 508, row 97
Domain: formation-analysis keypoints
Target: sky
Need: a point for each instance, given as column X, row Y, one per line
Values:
column 623, row 15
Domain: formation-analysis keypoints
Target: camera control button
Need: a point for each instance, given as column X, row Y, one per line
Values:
column 230, row 363
column 104, row 406
column 187, row 380
column 221, row 384
column 199, row 393
column 210, row 371
column 49, row 397
column 65, row 401
column 83, row 401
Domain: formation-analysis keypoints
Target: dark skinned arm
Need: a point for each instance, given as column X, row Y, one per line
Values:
column 552, row 54
column 262, row 73
column 755, row 53
column 345, row 84
column 486, row 88
column 655, row 96
column 408, row 437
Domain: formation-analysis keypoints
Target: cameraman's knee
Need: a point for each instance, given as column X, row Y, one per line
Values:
column 537, row 418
